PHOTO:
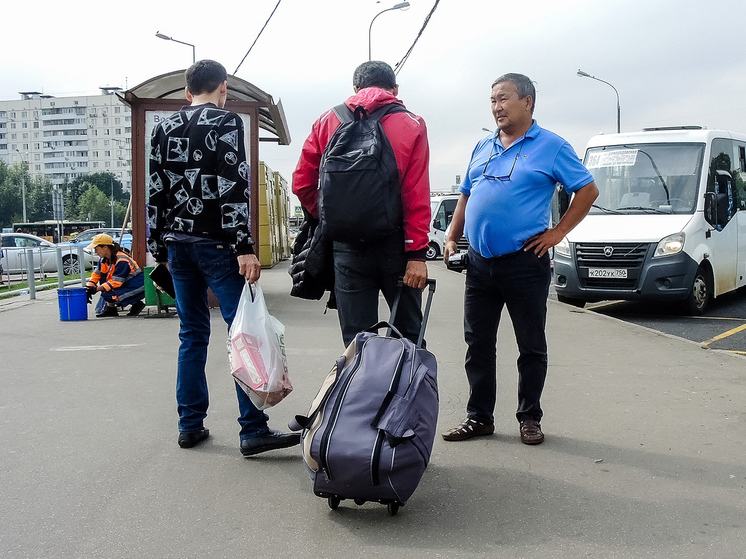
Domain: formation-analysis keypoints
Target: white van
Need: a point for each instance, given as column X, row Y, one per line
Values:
column 669, row 222
column 442, row 207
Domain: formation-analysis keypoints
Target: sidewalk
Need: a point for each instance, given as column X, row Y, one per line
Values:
column 644, row 455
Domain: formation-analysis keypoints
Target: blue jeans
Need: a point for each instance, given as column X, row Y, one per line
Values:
column 361, row 270
column 520, row 282
column 195, row 267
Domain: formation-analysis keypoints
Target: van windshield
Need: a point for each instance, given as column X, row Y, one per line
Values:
column 646, row 178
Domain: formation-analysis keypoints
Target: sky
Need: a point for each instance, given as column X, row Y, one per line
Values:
column 673, row 62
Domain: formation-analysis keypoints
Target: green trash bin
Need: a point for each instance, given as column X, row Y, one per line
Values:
column 152, row 295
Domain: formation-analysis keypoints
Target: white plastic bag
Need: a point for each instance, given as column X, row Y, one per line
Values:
column 256, row 346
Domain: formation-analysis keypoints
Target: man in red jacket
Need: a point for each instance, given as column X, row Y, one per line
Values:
column 363, row 269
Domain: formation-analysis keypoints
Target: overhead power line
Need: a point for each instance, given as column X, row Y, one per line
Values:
column 400, row 64
column 257, row 37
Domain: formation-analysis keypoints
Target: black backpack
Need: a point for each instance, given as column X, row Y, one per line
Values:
column 359, row 191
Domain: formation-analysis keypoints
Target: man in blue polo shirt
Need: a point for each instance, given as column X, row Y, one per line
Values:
column 504, row 212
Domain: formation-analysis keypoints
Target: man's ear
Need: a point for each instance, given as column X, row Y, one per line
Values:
column 188, row 94
column 224, row 88
column 395, row 91
column 355, row 88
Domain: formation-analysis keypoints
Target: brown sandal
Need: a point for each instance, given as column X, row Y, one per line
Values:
column 467, row 429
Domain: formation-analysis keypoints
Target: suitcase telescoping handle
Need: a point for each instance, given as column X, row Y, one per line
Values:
column 425, row 313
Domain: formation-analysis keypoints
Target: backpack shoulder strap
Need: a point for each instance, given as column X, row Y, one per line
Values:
column 389, row 109
column 344, row 113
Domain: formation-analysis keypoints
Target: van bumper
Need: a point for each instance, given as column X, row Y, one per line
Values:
column 667, row 278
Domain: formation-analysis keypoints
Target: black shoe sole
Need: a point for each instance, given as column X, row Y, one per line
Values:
column 192, row 442
column 271, row 446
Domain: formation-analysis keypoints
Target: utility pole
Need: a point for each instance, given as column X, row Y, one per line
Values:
column 111, row 203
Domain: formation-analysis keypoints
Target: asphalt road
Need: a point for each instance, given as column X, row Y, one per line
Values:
column 722, row 326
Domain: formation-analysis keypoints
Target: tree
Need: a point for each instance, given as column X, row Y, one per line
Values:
column 104, row 181
column 94, row 205
column 11, row 193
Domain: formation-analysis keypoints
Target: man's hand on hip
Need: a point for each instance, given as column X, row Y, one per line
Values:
column 249, row 267
column 542, row 242
column 416, row 274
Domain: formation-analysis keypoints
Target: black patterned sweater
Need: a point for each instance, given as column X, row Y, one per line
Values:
column 199, row 179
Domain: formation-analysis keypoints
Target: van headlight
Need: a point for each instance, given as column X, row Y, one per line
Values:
column 673, row 244
column 563, row 248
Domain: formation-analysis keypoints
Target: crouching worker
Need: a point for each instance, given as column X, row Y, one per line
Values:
column 118, row 277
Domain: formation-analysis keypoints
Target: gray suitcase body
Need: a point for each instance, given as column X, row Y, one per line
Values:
column 370, row 430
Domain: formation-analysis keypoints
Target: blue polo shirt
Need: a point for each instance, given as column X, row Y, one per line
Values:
column 501, row 215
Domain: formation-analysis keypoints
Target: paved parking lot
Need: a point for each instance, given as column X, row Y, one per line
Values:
column 722, row 327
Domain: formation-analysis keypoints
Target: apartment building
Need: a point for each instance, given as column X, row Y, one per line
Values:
column 65, row 137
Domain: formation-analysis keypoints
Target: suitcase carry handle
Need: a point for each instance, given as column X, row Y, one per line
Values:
column 425, row 315
column 391, row 329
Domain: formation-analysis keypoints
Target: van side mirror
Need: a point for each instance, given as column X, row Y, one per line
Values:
column 711, row 206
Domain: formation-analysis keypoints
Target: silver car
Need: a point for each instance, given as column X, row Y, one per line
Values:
column 15, row 246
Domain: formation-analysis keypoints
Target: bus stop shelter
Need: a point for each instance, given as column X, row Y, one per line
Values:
column 159, row 97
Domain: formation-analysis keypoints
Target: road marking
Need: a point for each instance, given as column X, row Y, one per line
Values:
column 94, row 347
column 716, row 318
column 725, row 334
column 602, row 305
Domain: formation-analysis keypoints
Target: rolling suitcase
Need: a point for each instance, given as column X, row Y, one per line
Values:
column 369, row 432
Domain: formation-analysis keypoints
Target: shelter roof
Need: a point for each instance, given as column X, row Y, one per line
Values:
column 171, row 86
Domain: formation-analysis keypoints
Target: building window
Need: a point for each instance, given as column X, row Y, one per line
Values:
column 95, row 164
column 107, row 164
column 36, row 125
column 24, row 125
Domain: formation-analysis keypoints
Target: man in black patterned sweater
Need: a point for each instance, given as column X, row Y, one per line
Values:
column 198, row 214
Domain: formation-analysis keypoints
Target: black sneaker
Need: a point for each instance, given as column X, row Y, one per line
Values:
column 271, row 440
column 136, row 308
column 108, row 311
column 188, row 440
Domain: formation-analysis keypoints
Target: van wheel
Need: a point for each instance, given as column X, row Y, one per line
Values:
column 580, row 303
column 432, row 251
column 70, row 265
column 700, row 294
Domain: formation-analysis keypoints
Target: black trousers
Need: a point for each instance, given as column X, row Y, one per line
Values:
column 520, row 282
column 361, row 271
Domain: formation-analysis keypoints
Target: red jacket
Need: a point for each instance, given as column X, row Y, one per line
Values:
column 407, row 134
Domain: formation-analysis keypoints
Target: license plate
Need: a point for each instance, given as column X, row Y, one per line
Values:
column 611, row 273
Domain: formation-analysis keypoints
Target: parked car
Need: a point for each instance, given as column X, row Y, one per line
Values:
column 84, row 238
column 15, row 245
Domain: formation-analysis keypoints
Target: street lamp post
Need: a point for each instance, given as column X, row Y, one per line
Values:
column 167, row 38
column 23, row 185
column 398, row 6
column 582, row 74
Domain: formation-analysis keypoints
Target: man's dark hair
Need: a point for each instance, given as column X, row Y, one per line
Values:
column 523, row 85
column 205, row 76
column 374, row 74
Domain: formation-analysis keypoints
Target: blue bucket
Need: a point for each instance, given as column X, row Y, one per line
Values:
column 73, row 303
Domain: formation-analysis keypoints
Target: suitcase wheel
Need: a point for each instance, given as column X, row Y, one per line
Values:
column 393, row 508
column 359, row 502
column 334, row 502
